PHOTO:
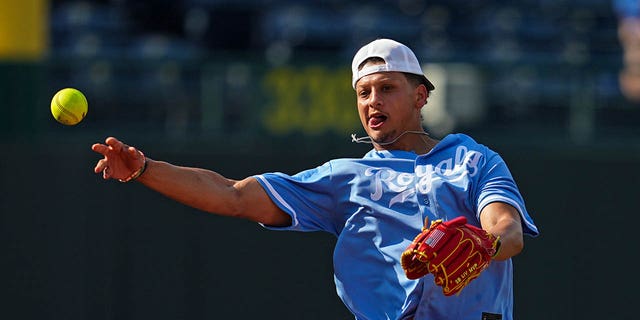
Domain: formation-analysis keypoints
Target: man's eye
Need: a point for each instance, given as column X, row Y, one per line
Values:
column 363, row 93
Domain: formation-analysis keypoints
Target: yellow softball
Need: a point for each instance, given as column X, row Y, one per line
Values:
column 69, row 106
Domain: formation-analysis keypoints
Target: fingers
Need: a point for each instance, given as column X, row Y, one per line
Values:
column 99, row 148
column 133, row 152
column 105, row 173
column 100, row 166
column 112, row 141
column 111, row 144
column 118, row 146
column 114, row 144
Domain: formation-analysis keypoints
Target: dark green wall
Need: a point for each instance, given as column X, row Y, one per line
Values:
column 20, row 99
column 76, row 247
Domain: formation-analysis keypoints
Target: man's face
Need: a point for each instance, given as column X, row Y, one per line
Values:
column 388, row 105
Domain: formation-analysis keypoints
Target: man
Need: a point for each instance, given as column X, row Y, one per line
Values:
column 376, row 205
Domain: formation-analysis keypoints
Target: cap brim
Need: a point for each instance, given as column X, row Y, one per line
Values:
column 428, row 84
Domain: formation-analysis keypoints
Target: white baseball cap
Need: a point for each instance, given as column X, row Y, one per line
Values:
column 397, row 57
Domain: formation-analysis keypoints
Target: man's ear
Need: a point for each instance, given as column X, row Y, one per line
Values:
column 421, row 96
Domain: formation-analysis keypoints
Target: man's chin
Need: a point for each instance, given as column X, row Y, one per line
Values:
column 379, row 138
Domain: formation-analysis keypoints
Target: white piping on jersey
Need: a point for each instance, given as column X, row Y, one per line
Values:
column 280, row 199
column 497, row 198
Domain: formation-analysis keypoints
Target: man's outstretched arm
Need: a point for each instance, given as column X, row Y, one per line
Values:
column 199, row 188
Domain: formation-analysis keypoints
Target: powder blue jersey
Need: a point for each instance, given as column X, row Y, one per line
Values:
column 376, row 205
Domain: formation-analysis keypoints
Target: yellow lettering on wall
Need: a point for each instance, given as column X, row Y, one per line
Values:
column 312, row 100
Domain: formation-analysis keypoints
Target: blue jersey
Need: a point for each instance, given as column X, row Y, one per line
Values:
column 376, row 205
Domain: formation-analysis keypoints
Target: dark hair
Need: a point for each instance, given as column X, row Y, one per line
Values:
column 416, row 79
column 413, row 79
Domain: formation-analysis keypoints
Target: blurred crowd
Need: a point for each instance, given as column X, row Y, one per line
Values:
column 538, row 62
column 573, row 31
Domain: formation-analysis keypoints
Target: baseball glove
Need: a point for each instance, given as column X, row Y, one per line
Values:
column 453, row 251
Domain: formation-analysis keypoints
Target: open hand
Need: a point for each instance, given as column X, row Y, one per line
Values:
column 120, row 160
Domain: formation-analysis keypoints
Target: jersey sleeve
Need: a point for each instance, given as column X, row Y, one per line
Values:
column 496, row 184
column 308, row 197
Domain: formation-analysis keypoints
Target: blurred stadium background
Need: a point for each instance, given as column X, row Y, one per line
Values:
column 247, row 86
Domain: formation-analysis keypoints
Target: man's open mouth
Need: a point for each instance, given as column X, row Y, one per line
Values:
column 377, row 120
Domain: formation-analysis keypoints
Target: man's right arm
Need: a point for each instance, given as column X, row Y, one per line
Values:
column 199, row 188
column 211, row 192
